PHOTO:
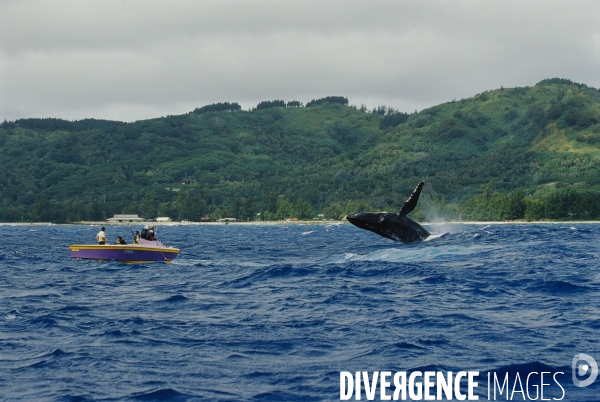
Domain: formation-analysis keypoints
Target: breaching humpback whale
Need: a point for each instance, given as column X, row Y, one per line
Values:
column 398, row 227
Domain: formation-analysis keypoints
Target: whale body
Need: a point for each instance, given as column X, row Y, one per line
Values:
column 397, row 227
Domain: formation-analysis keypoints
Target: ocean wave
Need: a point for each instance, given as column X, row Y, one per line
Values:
column 407, row 345
column 162, row 394
column 45, row 321
column 175, row 299
column 557, row 286
column 41, row 360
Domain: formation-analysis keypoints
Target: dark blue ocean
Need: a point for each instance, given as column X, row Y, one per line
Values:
column 276, row 312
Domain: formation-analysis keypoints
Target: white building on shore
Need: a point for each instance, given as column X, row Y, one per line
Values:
column 125, row 219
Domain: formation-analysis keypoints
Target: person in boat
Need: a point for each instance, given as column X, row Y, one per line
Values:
column 144, row 234
column 120, row 240
column 101, row 236
column 136, row 237
column 151, row 233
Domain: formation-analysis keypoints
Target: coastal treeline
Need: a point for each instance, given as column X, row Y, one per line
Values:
column 490, row 205
column 565, row 204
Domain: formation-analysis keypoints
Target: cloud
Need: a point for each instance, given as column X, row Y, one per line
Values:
column 133, row 59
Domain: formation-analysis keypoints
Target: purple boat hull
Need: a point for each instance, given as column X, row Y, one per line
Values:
column 129, row 253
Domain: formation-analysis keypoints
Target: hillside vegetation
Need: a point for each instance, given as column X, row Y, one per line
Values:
column 503, row 154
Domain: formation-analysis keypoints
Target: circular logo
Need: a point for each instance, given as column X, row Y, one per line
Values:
column 580, row 369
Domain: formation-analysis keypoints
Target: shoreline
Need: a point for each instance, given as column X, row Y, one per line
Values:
column 271, row 223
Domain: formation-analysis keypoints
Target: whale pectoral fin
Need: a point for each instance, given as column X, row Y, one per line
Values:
column 411, row 203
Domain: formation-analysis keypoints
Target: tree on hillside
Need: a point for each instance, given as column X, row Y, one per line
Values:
column 149, row 206
column 191, row 206
column 270, row 104
column 42, row 211
column 328, row 100
column 393, row 119
column 270, row 199
column 219, row 107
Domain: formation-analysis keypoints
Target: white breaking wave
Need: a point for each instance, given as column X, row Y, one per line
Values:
column 410, row 254
column 435, row 236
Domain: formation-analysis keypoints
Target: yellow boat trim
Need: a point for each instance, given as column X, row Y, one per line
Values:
column 133, row 247
column 136, row 262
column 131, row 261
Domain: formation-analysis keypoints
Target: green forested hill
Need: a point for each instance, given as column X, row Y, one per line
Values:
column 502, row 154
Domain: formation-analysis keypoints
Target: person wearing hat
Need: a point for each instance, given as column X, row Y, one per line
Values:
column 151, row 233
column 101, row 236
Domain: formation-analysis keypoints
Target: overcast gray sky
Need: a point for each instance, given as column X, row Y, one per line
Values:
column 137, row 59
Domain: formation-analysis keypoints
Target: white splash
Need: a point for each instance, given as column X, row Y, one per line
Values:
column 435, row 236
column 411, row 254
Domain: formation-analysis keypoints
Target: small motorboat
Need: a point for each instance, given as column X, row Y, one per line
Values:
column 144, row 251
